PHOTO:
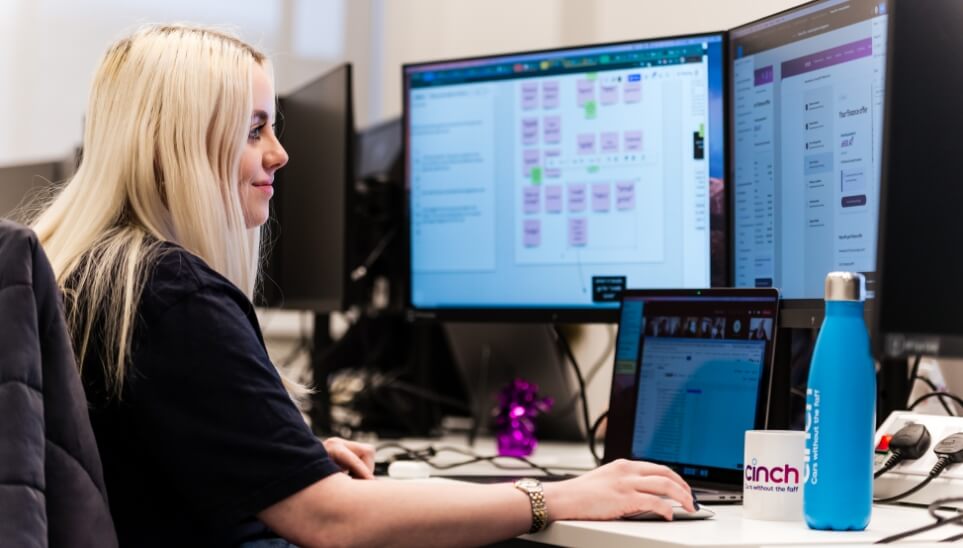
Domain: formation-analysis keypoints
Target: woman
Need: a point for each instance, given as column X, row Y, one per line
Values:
column 155, row 243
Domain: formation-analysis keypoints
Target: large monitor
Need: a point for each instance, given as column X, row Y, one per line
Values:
column 308, row 266
column 806, row 134
column 920, row 274
column 541, row 184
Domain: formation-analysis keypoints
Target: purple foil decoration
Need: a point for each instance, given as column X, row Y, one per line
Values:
column 514, row 425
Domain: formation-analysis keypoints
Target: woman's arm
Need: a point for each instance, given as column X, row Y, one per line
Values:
column 342, row 511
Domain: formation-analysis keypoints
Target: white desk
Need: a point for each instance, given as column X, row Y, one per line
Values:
column 727, row 529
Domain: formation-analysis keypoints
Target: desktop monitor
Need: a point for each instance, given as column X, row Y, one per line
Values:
column 308, row 258
column 920, row 272
column 806, row 134
column 541, row 184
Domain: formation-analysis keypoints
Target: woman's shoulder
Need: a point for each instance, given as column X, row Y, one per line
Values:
column 175, row 274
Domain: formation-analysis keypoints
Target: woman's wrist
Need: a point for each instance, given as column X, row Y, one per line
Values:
column 558, row 500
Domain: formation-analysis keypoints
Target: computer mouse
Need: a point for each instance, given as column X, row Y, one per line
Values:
column 678, row 513
column 408, row 469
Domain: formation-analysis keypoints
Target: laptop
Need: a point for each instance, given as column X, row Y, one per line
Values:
column 692, row 374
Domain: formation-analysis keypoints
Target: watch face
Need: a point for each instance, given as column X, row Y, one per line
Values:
column 528, row 483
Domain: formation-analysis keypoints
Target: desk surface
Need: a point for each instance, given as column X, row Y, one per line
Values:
column 727, row 529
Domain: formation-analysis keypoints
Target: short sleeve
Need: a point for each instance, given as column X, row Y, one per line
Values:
column 210, row 407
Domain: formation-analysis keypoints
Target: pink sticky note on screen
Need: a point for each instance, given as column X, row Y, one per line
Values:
column 633, row 141
column 552, row 156
column 609, row 93
column 601, row 197
column 552, row 129
column 532, row 232
column 576, row 197
column 553, row 198
column 530, row 159
column 529, row 93
column 610, row 141
column 550, row 94
column 529, row 131
column 586, row 143
column 584, row 91
column 577, row 231
column 632, row 92
column 624, row 195
column 531, row 199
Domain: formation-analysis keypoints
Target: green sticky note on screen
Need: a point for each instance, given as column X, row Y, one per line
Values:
column 536, row 175
column 591, row 109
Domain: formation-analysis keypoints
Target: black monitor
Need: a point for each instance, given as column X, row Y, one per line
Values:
column 308, row 267
column 920, row 273
column 541, row 184
column 806, row 117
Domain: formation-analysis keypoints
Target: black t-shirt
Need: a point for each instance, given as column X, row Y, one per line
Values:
column 204, row 435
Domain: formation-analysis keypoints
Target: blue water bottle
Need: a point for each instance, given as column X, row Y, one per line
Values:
column 840, row 413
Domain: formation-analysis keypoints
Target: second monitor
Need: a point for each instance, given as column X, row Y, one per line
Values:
column 807, row 111
column 541, row 184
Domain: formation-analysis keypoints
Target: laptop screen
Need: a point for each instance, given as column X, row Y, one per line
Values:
column 691, row 376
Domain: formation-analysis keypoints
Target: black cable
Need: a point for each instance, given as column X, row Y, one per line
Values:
column 940, row 522
column 913, row 373
column 425, row 455
column 938, row 394
column 892, row 461
column 918, row 530
column 581, row 381
column 949, row 450
column 934, row 388
column 934, row 472
column 593, row 432
column 359, row 272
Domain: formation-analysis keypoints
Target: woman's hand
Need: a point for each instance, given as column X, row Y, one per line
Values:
column 355, row 458
column 620, row 488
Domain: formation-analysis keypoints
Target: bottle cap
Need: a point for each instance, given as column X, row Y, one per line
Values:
column 845, row 286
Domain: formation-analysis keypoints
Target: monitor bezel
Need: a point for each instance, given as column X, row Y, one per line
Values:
column 552, row 314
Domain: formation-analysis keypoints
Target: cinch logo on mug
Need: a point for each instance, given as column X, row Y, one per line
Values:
column 779, row 474
column 772, row 476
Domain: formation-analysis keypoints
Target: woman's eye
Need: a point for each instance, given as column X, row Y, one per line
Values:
column 255, row 132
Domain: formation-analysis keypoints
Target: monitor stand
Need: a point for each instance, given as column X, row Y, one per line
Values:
column 490, row 355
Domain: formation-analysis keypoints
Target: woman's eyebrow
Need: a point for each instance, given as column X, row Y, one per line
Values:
column 259, row 117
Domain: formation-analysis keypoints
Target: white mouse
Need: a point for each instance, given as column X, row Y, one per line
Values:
column 408, row 469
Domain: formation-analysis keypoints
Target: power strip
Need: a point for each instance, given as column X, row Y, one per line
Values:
column 910, row 473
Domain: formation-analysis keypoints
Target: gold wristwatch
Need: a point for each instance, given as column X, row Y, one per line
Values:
column 533, row 488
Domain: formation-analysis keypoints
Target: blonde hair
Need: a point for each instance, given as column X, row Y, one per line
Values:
column 167, row 120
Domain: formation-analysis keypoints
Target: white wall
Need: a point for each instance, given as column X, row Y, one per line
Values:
column 50, row 48
column 424, row 30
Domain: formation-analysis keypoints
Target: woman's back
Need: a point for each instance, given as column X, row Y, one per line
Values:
column 203, row 435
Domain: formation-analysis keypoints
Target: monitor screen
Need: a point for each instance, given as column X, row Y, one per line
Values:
column 541, row 184
column 920, row 266
column 307, row 266
column 807, row 110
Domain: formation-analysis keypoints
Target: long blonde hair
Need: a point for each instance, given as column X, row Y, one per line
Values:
column 166, row 123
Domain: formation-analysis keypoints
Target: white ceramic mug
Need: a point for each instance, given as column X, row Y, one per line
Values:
column 772, row 475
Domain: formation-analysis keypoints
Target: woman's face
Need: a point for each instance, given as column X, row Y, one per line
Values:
column 262, row 156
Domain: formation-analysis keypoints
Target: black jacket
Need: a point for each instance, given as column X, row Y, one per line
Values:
column 51, row 483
